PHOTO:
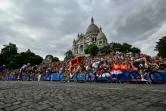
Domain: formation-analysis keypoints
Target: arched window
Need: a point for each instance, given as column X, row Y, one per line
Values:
column 81, row 48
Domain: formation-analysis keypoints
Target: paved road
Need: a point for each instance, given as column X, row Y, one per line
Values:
column 57, row 96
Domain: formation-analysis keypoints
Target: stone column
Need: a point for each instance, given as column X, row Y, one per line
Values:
column 73, row 50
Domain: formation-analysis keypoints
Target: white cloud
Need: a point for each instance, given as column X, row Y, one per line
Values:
column 49, row 26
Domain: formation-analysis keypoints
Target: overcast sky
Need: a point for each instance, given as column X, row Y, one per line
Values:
column 49, row 26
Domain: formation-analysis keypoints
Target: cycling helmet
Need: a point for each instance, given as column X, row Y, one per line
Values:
column 4, row 65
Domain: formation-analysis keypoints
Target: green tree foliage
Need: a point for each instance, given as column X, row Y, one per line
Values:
column 105, row 50
column 126, row 48
column 9, row 50
column 135, row 50
column 6, row 52
column 55, row 59
column 69, row 55
column 116, row 47
column 12, row 59
column 91, row 49
column 35, row 60
column 18, row 60
column 161, row 47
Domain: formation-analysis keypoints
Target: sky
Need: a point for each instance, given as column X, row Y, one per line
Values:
column 50, row 26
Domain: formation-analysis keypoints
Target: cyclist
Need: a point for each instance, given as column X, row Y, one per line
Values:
column 141, row 64
column 23, row 69
column 97, row 66
column 76, row 60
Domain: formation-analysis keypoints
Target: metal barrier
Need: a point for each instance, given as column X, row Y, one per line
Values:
column 123, row 76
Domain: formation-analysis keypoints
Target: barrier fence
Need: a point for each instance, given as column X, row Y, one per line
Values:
column 123, row 76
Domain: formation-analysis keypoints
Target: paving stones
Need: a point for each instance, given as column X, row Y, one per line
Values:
column 81, row 109
column 15, row 103
column 11, row 108
column 42, row 107
column 73, row 96
column 58, row 106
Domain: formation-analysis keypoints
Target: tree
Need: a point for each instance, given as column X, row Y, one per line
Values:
column 105, row 50
column 35, row 60
column 116, row 47
column 55, row 59
column 12, row 59
column 16, row 61
column 69, row 55
column 161, row 47
column 135, row 50
column 10, row 49
column 126, row 47
column 6, row 52
column 91, row 49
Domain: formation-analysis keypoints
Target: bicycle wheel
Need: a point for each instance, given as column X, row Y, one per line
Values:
column 62, row 78
column 134, row 76
column 80, row 77
column 105, row 77
column 89, row 77
column 157, row 77
column 99, row 77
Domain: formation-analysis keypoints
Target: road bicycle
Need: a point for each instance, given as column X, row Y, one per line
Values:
column 155, row 76
column 149, row 74
column 89, row 76
column 105, row 76
column 78, row 76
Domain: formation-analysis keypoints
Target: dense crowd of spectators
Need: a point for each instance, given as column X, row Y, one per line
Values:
column 125, row 61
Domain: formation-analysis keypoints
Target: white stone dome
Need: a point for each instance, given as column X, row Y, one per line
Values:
column 92, row 27
column 101, row 35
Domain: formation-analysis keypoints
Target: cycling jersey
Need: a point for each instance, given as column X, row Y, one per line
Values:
column 23, row 68
column 140, row 60
column 96, row 64
column 140, row 63
column 73, row 61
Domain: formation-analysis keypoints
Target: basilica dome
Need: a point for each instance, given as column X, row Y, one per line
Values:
column 92, row 27
column 101, row 35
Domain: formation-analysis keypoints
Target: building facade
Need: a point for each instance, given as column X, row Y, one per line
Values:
column 93, row 35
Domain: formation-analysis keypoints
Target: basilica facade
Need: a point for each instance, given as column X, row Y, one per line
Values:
column 93, row 35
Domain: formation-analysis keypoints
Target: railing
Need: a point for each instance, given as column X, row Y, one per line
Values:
column 55, row 76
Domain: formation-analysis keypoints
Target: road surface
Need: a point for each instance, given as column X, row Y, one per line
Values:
column 73, row 96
